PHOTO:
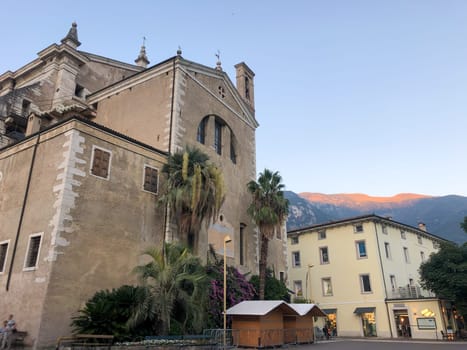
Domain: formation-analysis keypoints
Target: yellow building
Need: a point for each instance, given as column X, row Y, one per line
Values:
column 363, row 272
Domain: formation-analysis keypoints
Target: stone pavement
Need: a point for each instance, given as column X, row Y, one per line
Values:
column 380, row 344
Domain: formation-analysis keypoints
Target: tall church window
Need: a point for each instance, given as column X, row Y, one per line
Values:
column 201, row 134
column 218, row 136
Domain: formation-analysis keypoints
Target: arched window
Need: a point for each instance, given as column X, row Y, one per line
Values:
column 220, row 129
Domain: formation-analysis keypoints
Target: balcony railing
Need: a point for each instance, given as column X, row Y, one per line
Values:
column 410, row 292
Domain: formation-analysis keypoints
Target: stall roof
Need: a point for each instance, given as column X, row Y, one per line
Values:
column 260, row 307
column 304, row 309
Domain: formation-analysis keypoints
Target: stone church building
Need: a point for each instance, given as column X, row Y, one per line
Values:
column 82, row 141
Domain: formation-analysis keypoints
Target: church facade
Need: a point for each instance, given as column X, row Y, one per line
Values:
column 83, row 141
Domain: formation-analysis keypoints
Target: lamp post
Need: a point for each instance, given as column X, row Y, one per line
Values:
column 306, row 282
column 227, row 239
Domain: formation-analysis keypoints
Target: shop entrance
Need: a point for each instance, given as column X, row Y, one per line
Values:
column 367, row 315
column 402, row 323
column 331, row 322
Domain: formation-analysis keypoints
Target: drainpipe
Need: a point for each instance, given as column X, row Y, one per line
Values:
column 384, row 280
column 166, row 211
column 21, row 217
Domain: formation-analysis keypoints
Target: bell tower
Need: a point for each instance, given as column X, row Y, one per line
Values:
column 245, row 86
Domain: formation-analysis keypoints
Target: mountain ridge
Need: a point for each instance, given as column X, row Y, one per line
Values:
column 441, row 214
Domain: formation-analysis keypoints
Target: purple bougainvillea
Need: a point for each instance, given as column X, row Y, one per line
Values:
column 238, row 289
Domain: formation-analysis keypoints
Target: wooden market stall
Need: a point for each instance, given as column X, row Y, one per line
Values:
column 299, row 328
column 269, row 323
column 259, row 323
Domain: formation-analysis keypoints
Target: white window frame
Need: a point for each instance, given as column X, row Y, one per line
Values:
column 32, row 268
column 403, row 234
column 321, row 234
column 392, row 279
column 144, row 178
column 384, row 228
column 294, row 262
column 92, row 162
column 298, row 287
column 405, row 251
column 326, row 281
column 356, row 228
column 362, row 288
column 321, row 259
column 294, row 240
column 387, row 250
column 358, row 250
column 7, row 242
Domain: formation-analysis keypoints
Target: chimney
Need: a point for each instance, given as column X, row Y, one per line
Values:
column 34, row 124
column 245, row 84
column 422, row 226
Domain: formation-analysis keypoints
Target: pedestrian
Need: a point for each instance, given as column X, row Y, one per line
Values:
column 326, row 332
column 8, row 333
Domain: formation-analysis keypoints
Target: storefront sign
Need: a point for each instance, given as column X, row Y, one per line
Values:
column 426, row 323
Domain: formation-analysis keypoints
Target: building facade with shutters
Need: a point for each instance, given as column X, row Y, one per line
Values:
column 363, row 272
column 83, row 141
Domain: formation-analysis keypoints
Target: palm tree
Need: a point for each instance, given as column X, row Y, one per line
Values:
column 193, row 193
column 174, row 282
column 268, row 210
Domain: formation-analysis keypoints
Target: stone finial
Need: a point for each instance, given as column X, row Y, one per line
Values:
column 179, row 51
column 142, row 59
column 71, row 38
column 218, row 63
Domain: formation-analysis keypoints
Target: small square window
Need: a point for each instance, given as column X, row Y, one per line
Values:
column 385, row 229
column 403, row 235
column 3, row 255
column 151, row 179
column 100, row 163
column 321, row 234
column 419, row 239
column 294, row 240
column 358, row 228
column 32, row 256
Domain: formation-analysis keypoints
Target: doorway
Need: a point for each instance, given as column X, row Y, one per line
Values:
column 401, row 318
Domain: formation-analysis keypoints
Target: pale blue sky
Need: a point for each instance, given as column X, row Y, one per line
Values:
column 351, row 96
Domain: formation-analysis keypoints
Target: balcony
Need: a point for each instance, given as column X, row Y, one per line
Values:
column 410, row 292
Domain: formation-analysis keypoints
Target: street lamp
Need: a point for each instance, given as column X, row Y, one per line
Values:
column 227, row 239
column 306, row 282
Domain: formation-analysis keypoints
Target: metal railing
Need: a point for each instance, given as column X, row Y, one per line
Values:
column 410, row 292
